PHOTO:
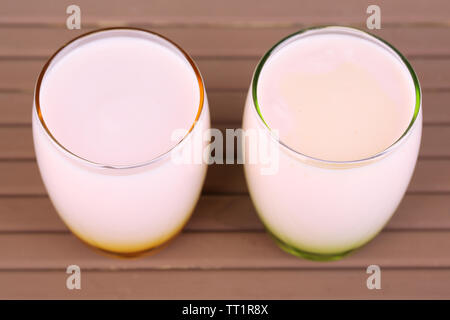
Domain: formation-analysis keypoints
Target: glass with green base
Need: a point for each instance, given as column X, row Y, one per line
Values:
column 323, row 209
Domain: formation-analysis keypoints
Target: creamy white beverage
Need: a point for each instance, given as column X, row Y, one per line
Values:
column 106, row 107
column 346, row 108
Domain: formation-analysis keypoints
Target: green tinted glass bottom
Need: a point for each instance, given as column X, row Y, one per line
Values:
column 309, row 255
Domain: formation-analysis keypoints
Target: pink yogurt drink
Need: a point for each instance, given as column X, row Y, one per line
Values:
column 105, row 109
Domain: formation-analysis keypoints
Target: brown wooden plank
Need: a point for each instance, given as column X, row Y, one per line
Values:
column 18, row 74
column 222, row 213
column 431, row 176
column 219, row 42
column 225, row 107
column 227, row 284
column 17, row 143
column 15, row 108
column 230, row 12
column 22, row 178
column 422, row 212
column 435, row 109
column 222, row 250
column 435, row 141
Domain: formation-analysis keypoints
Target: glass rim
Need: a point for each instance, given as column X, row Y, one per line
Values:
column 86, row 161
column 378, row 41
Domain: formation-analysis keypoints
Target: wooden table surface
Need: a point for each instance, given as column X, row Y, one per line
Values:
column 224, row 252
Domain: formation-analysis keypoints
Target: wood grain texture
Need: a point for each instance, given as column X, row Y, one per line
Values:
column 232, row 12
column 223, row 252
column 228, row 284
column 222, row 213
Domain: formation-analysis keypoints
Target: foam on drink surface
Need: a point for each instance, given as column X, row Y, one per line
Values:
column 117, row 100
column 336, row 97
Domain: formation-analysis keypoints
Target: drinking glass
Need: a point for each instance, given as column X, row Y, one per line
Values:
column 124, row 210
column 323, row 210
